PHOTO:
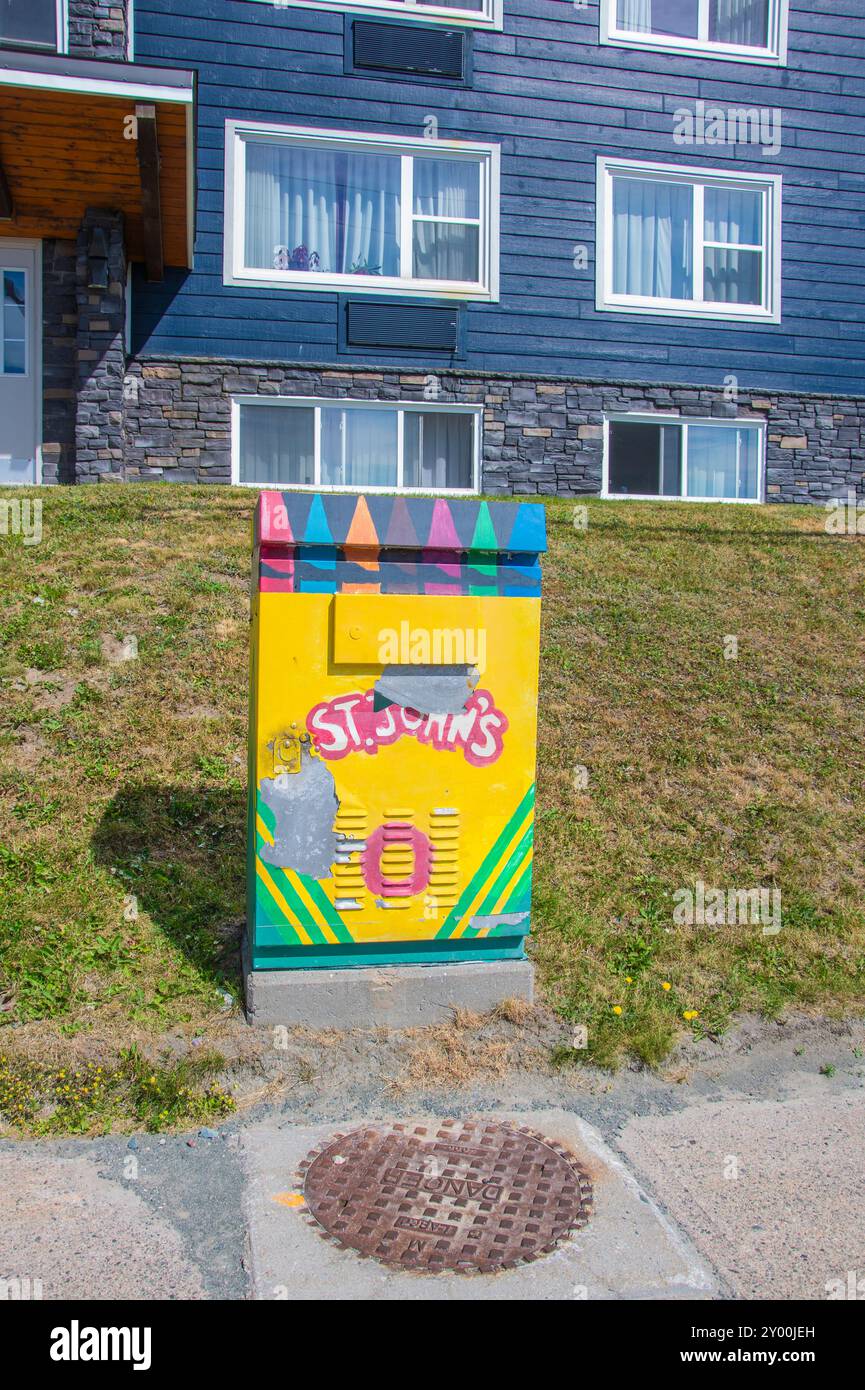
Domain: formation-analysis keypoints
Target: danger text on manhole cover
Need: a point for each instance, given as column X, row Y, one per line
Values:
column 460, row 1195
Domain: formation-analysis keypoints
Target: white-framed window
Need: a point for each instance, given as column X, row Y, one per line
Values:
column 744, row 31
column 348, row 445
column 670, row 457
column 694, row 243
column 332, row 210
column 34, row 24
column 476, row 14
column 14, row 294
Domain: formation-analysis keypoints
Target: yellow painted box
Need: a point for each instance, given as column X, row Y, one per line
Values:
column 393, row 718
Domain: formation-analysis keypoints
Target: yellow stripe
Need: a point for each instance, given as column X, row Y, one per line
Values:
column 280, row 901
column 513, row 880
column 320, row 919
column 263, row 830
column 485, row 887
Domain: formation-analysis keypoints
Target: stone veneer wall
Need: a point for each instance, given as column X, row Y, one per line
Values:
column 101, row 353
column 541, row 437
column 97, row 29
column 59, row 357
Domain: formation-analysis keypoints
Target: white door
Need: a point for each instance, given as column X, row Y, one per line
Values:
column 20, row 365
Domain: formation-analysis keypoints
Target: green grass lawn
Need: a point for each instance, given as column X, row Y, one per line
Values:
column 122, row 812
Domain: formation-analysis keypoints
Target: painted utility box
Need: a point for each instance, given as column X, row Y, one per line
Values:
column 393, row 715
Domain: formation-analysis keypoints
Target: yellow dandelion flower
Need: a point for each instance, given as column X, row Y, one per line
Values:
column 665, row 984
column 617, row 1008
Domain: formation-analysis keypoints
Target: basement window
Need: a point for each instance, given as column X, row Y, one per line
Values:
column 346, row 445
column 697, row 460
column 33, row 24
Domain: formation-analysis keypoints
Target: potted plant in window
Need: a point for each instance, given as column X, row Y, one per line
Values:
column 298, row 259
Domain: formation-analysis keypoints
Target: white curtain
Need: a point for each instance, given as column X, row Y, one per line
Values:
column 445, row 188
column 438, row 450
column 652, row 238
column 359, row 447
column 739, row 21
column 277, row 444
column 635, row 15
column 321, row 210
column 722, row 462
column 733, row 215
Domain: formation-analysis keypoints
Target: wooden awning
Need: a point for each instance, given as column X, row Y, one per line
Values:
column 77, row 133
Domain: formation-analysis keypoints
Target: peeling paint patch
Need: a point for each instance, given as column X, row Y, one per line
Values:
column 426, row 689
column 500, row 919
column 304, row 804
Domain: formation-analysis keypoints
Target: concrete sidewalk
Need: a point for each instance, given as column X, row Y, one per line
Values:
column 742, row 1177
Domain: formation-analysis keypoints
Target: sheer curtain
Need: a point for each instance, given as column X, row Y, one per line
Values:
column 445, row 188
column 359, row 447
column 321, row 210
column 652, row 238
column 722, row 462
column 733, row 215
column 277, row 444
column 739, row 21
column 635, row 15
column 438, row 450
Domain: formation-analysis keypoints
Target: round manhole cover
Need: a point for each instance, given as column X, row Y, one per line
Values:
column 462, row 1195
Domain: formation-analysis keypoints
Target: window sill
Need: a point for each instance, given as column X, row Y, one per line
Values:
column 359, row 284
column 695, row 49
column 698, row 501
column 493, row 19
column 666, row 309
column 389, row 491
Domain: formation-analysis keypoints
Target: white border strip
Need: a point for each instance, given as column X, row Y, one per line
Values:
column 134, row 91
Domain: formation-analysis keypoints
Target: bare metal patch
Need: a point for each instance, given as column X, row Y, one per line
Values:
column 426, row 689
column 304, row 804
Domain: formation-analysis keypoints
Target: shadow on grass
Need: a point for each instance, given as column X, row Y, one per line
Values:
column 181, row 852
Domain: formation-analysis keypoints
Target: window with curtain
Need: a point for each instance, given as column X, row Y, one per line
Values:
column 686, row 245
column 699, row 24
column 340, row 211
column 352, row 445
column 694, row 460
column 28, row 24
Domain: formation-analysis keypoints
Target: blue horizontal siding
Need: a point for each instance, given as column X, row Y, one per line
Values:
column 553, row 98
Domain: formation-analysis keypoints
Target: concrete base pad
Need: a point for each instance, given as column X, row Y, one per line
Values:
column 629, row 1250
column 399, row 996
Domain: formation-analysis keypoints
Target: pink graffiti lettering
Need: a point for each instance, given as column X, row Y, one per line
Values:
column 350, row 724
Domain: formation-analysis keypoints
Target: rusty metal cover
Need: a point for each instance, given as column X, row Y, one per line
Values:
column 465, row 1195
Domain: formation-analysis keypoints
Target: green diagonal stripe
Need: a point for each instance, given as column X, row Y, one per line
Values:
column 487, row 866
column 513, row 860
column 331, row 916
